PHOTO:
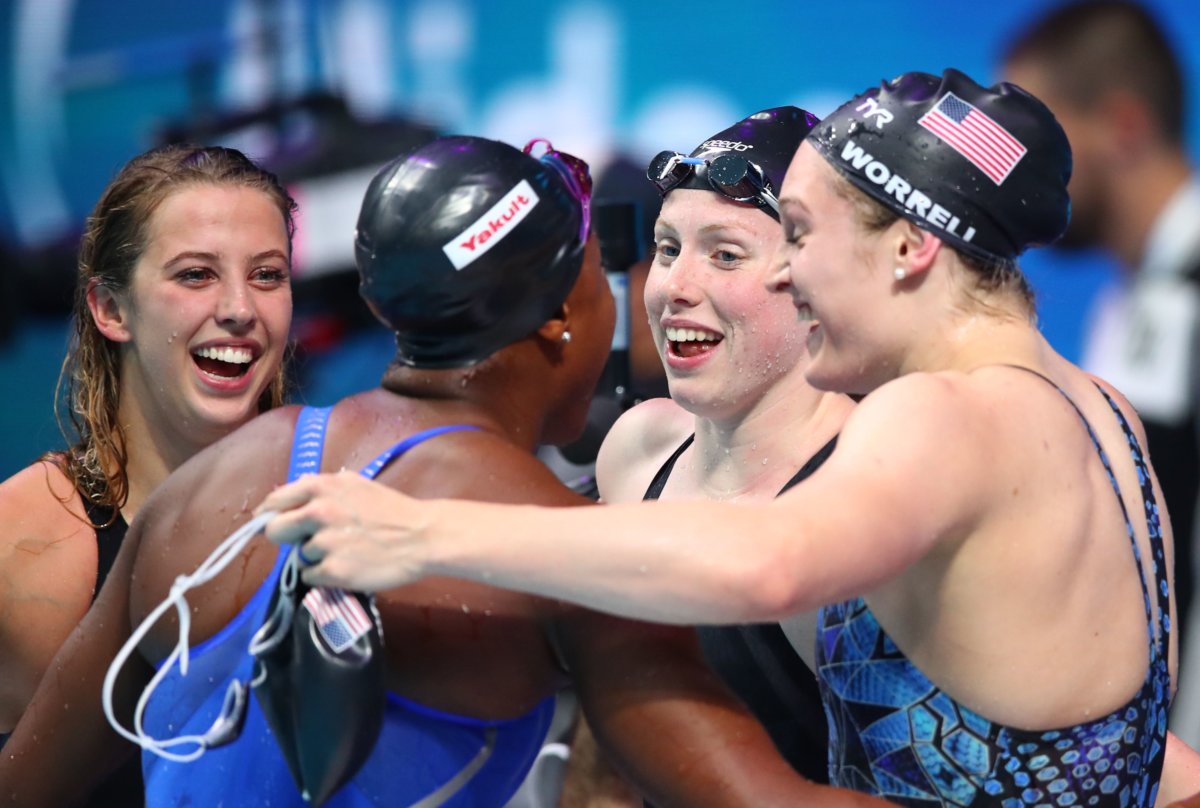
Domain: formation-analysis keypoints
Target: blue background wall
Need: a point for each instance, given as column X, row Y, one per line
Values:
column 85, row 84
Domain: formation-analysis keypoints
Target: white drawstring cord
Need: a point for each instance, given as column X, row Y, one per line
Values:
column 235, row 695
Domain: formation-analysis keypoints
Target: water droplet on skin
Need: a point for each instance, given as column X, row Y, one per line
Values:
column 643, row 569
column 466, row 609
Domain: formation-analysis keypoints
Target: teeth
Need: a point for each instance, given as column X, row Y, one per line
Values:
column 236, row 356
column 690, row 335
column 805, row 311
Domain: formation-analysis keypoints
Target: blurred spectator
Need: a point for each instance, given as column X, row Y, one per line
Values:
column 1109, row 73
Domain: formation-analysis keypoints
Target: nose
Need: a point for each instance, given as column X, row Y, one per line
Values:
column 779, row 278
column 680, row 282
column 235, row 306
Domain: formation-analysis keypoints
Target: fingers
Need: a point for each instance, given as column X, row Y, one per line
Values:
column 291, row 527
column 308, row 554
column 292, row 495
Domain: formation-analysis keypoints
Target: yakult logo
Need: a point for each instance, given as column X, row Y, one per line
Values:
column 487, row 231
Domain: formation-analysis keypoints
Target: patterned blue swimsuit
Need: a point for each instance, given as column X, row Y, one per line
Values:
column 896, row 734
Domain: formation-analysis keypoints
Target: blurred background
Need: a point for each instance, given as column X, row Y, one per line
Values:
column 325, row 91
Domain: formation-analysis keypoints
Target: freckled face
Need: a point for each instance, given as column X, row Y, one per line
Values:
column 723, row 337
column 208, row 309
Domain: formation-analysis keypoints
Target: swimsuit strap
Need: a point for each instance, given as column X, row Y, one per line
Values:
column 372, row 469
column 1153, row 523
column 308, row 441
column 654, row 490
column 108, row 538
column 812, row 465
column 1151, row 509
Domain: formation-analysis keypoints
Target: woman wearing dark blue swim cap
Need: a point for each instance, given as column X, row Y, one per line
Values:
column 985, row 545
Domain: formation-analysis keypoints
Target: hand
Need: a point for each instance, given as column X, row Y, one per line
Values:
column 357, row 534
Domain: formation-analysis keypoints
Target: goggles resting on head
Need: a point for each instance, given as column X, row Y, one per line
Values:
column 575, row 174
column 731, row 175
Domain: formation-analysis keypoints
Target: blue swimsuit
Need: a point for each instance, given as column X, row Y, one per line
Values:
column 896, row 734
column 424, row 757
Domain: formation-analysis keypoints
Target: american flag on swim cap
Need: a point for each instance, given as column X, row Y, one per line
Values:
column 339, row 616
column 988, row 145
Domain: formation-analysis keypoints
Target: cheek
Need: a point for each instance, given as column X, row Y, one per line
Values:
column 653, row 293
column 276, row 312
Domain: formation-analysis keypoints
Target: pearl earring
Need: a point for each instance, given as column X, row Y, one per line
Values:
column 566, row 336
column 900, row 273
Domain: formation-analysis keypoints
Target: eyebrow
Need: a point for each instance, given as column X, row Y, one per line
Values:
column 201, row 255
column 707, row 229
column 792, row 202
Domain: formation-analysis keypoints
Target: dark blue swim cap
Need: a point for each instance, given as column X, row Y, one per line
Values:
column 464, row 246
column 726, row 163
column 984, row 169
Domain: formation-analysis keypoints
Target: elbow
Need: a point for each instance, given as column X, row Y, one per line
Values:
column 771, row 589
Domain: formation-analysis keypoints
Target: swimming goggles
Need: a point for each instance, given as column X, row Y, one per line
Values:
column 574, row 173
column 731, row 175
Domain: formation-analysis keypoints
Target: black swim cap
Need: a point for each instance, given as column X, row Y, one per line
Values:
column 725, row 162
column 984, row 169
column 465, row 246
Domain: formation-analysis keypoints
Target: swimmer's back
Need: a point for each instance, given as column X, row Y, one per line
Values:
column 439, row 629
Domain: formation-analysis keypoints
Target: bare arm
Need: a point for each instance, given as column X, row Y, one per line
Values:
column 63, row 746
column 47, row 574
column 672, row 728
column 868, row 514
column 591, row 781
column 1180, row 774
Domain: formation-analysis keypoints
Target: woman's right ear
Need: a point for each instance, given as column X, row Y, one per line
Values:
column 108, row 312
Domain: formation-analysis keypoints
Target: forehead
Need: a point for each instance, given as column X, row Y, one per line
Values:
column 809, row 179
column 205, row 211
column 688, row 209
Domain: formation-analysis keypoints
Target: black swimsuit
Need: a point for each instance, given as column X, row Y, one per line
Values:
column 123, row 788
column 758, row 663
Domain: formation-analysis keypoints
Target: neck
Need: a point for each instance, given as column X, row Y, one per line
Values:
column 152, row 453
column 752, row 456
column 978, row 338
column 1138, row 197
column 485, row 394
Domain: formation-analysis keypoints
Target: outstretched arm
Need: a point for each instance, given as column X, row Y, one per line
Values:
column 63, row 746
column 858, row 521
column 672, row 728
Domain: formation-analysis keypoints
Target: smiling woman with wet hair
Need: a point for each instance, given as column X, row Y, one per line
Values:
column 182, row 310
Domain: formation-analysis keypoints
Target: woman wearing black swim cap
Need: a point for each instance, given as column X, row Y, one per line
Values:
column 985, row 544
column 741, row 422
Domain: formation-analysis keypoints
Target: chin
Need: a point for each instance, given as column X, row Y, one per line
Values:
column 824, row 376
column 227, row 415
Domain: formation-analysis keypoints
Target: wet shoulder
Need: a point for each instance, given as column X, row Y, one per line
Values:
column 638, row 444
column 215, row 491
column 40, row 507
column 916, row 403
